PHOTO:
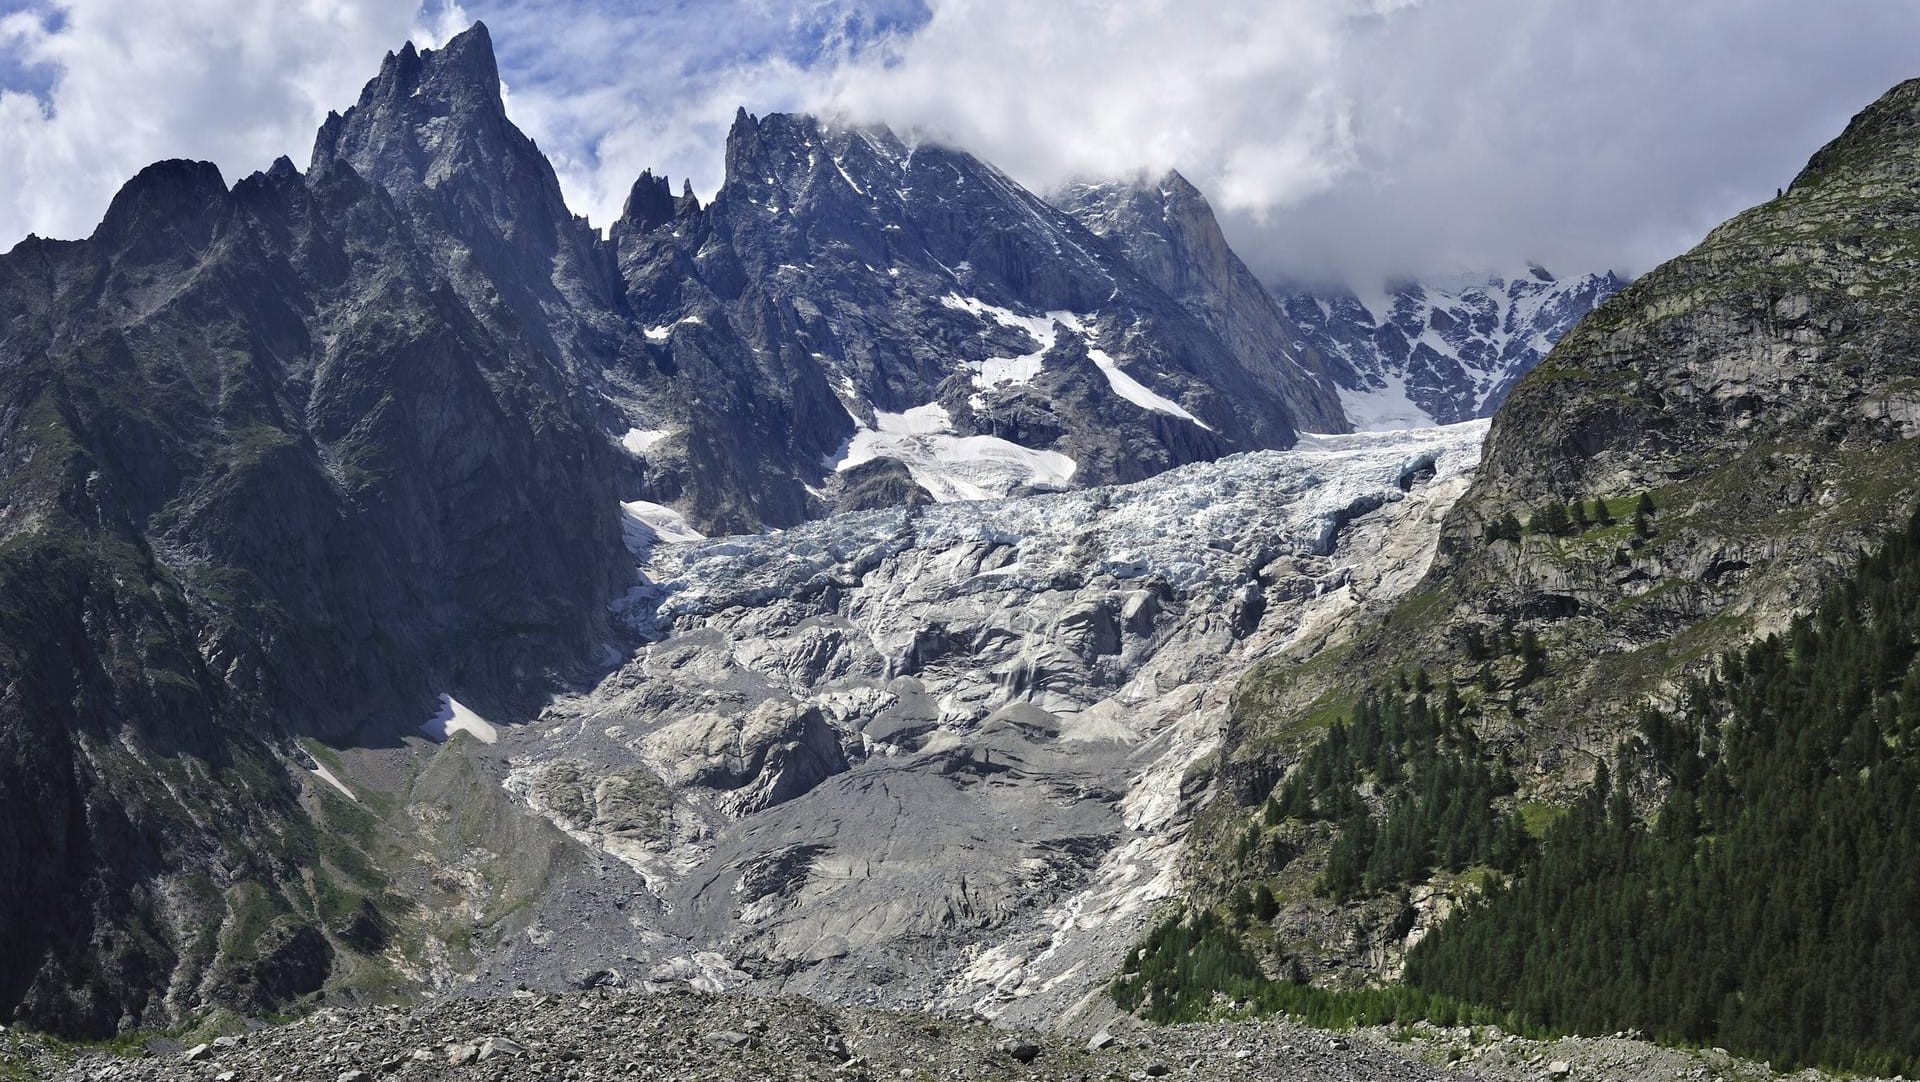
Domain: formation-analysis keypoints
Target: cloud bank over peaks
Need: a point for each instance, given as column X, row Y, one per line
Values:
column 1340, row 140
column 1355, row 140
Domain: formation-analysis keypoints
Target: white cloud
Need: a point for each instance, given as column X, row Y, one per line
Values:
column 1354, row 139
column 1351, row 138
column 1248, row 93
column 235, row 82
column 1345, row 138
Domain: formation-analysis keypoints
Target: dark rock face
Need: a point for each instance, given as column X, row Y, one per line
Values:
column 293, row 960
column 877, row 485
column 1168, row 232
column 265, row 474
column 484, row 204
column 1428, row 354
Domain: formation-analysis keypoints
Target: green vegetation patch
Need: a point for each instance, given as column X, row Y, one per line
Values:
column 1769, row 904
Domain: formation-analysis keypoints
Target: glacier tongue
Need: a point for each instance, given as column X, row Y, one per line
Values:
column 933, row 756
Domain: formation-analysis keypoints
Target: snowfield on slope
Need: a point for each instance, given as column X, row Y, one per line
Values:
column 950, row 467
column 1043, row 329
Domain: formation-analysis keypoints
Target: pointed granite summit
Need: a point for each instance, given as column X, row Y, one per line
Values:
column 431, row 128
column 423, row 109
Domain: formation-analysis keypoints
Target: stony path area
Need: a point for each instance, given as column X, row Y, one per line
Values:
column 690, row 1037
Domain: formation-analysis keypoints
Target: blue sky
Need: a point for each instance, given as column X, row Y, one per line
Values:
column 1355, row 139
column 18, row 71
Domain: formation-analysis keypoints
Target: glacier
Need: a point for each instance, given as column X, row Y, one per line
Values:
column 933, row 756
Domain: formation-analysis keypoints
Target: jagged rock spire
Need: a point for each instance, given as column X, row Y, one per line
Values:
column 650, row 204
column 460, row 82
column 432, row 130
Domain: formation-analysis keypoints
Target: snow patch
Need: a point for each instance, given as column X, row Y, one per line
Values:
column 918, row 421
column 454, row 717
column 638, row 441
column 848, row 177
column 319, row 770
column 995, row 371
column 648, row 524
column 661, row 332
column 1139, row 393
column 1040, row 327
column 952, row 468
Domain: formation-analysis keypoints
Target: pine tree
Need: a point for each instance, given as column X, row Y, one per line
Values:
column 1473, row 642
column 1551, row 520
column 1264, row 905
column 1533, row 659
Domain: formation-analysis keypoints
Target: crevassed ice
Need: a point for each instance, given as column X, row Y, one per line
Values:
column 1164, row 524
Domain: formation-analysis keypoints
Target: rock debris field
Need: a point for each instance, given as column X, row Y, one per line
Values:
column 609, row 1034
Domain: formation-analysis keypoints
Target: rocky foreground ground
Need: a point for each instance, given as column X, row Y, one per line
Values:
column 607, row 1034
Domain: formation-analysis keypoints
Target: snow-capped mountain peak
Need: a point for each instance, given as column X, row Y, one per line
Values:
column 847, row 276
column 1440, row 351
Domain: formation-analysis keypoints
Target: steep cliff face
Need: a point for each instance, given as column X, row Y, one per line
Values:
column 1760, row 391
column 267, row 474
column 1168, row 232
column 483, row 203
